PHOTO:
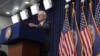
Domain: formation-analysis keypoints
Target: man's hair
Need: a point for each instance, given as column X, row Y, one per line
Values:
column 42, row 12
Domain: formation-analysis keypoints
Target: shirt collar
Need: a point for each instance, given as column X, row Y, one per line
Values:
column 41, row 23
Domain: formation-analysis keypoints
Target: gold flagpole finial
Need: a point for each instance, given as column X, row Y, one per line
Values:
column 90, row 4
column 73, row 4
column 73, row 10
column 82, row 7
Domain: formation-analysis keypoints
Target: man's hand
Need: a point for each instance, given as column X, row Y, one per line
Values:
column 32, row 25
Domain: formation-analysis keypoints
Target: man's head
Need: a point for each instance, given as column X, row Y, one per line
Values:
column 42, row 16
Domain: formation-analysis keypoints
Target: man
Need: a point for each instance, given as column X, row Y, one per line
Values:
column 45, row 26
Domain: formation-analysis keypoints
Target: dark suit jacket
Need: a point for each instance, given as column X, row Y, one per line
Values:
column 2, row 53
column 45, row 46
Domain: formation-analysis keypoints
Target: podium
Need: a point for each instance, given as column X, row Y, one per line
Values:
column 22, row 40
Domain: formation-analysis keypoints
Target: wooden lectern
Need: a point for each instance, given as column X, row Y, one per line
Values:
column 24, row 49
column 22, row 40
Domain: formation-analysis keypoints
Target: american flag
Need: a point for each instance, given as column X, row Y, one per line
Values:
column 97, row 17
column 85, row 37
column 66, row 46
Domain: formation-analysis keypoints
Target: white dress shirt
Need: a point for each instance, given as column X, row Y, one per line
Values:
column 41, row 23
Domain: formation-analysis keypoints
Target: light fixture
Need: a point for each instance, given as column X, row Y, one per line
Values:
column 24, row 14
column 15, row 18
column 68, row 0
column 47, row 4
column 26, row 2
column 16, row 8
column 35, row 9
column 82, row 1
column 7, row 12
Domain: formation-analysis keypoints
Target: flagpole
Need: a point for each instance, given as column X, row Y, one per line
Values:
column 66, row 10
column 90, row 7
column 93, row 18
column 82, row 41
column 87, row 26
column 67, row 17
column 86, row 21
column 74, row 15
column 73, row 12
column 72, row 39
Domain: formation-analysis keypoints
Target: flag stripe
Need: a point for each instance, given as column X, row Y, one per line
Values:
column 84, row 46
column 63, row 49
column 60, row 45
column 65, row 45
column 84, row 40
column 88, row 40
column 85, row 34
column 85, row 52
column 68, row 43
column 71, row 43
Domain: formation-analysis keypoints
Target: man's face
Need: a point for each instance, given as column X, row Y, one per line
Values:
column 41, row 17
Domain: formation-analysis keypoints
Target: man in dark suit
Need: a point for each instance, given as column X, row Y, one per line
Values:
column 45, row 26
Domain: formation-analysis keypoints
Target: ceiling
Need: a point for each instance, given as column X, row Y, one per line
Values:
column 10, row 7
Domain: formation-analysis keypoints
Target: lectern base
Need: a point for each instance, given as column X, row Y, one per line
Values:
column 24, row 49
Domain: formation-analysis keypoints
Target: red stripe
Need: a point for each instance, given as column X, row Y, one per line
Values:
column 62, row 54
column 88, row 41
column 65, row 45
column 71, row 41
column 98, row 28
column 84, row 43
column 70, row 44
column 60, row 46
